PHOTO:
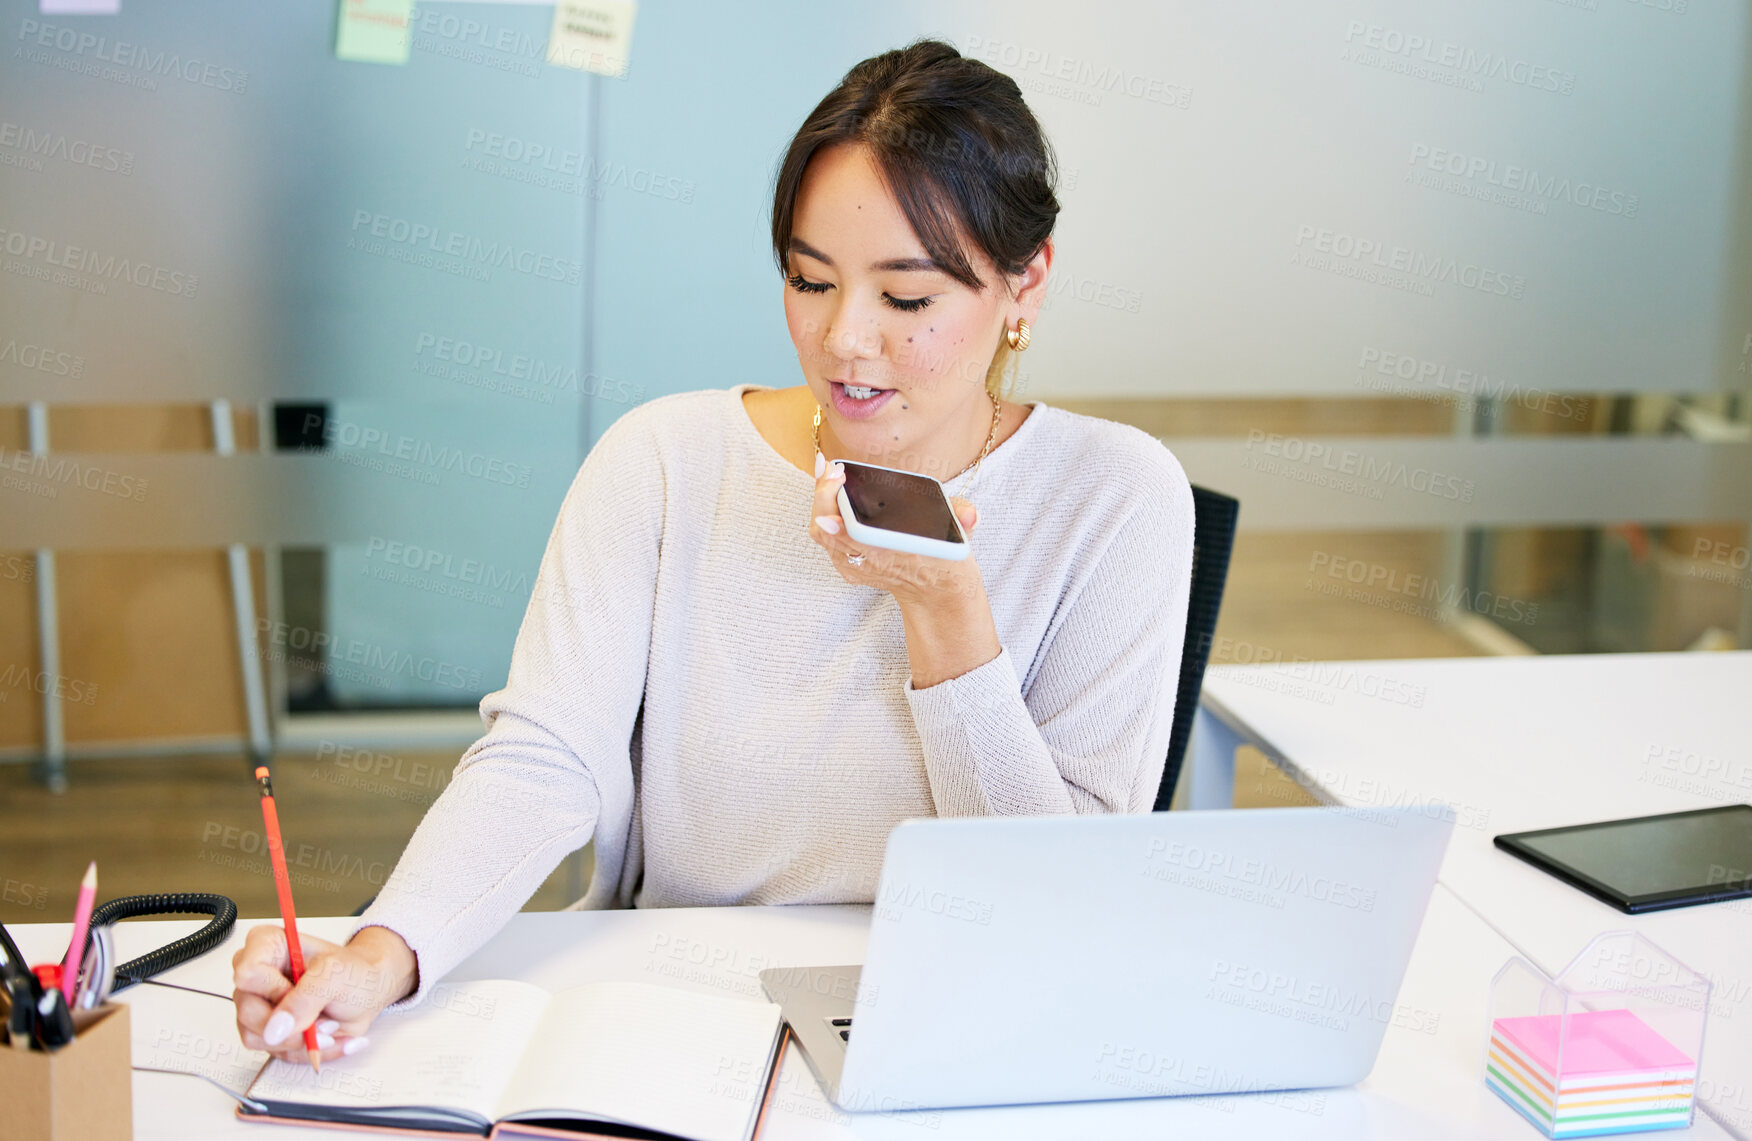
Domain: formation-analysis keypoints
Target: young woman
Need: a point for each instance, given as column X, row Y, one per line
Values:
column 712, row 683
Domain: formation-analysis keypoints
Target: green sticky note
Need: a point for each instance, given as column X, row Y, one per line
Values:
column 374, row 31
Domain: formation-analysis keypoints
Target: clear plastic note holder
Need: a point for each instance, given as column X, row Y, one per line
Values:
column 1611, row 1045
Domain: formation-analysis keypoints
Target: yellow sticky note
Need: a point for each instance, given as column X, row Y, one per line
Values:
column 592, row 35
column 374, row 31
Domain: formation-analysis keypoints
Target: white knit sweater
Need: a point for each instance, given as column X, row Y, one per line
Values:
column 781, row 738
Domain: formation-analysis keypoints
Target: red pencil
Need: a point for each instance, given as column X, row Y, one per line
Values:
column 283, row 885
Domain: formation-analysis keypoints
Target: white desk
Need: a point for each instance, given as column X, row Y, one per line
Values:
column 1425, row 1084
column 1516, row 744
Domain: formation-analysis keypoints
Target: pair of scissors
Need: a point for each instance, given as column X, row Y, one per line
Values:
column 97, row 971
column 20, row 987
column 22, row 994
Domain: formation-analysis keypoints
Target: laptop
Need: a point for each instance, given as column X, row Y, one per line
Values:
column 1019, row 960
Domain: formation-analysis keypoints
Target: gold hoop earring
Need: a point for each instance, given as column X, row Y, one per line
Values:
column 1018, row 337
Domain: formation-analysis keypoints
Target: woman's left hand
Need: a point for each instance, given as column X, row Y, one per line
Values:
column 912, row 579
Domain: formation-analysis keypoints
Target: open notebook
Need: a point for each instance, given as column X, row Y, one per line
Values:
column 614, row 1059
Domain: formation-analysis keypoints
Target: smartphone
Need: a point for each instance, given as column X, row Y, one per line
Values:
column 899, row 510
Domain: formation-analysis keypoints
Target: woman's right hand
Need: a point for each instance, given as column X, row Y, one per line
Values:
column 342, row 990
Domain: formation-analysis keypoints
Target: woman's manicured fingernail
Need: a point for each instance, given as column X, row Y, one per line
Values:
column 828, row 523
column 820, row 465
column 838, row 472
column 277, row 1028
column 324, row 1041
column 327, row 1026
column 354, row 1045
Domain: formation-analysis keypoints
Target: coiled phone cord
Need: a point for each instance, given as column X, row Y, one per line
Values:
column 217, row 930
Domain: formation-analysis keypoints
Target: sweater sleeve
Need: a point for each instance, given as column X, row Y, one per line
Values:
column 1091, row 733
column 554, row 765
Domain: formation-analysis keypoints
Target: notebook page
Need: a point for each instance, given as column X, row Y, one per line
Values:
column 653, row 1056
column 457, row 1049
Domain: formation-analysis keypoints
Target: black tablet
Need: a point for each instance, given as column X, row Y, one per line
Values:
column 1648, row 863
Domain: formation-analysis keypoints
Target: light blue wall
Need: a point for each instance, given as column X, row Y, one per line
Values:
column 1206, row 147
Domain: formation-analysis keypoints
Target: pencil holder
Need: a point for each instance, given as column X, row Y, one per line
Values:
column 1611, row 1045
column 82, row 1092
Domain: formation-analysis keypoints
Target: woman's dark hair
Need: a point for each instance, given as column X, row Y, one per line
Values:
column 954, row 142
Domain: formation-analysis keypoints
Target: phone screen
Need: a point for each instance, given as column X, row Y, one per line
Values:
column 900, row 501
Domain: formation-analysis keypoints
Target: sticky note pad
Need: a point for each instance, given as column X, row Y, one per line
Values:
column 374, row 31
column 1602, row 1045
column 1613, row 1074
column 592, row 35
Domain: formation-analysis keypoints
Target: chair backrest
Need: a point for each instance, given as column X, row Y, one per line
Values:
column 1213, row 538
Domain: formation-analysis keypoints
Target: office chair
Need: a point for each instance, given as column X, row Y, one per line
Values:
column 1213, row 538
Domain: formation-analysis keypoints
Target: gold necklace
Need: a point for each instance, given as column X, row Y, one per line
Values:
column 997, row 411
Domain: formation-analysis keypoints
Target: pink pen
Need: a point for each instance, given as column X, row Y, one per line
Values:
column 81, row 923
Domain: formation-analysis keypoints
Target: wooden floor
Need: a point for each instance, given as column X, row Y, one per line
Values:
column 194, row 823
